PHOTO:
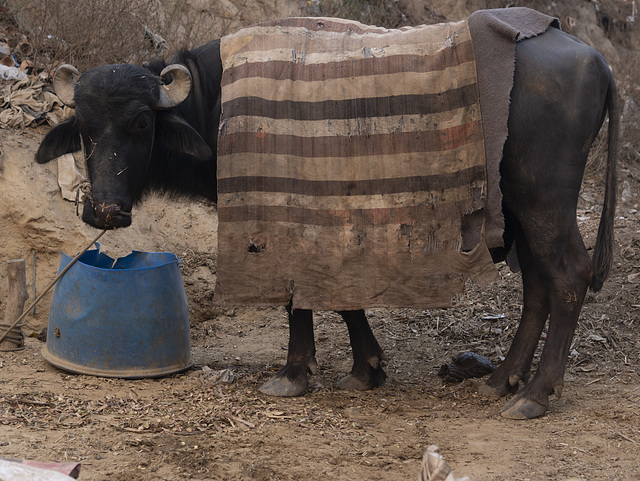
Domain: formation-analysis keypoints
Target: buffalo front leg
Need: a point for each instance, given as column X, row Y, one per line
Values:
column 367, row 371
column 291, row 380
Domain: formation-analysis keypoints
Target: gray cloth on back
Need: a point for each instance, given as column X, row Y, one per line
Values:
column 494, row 34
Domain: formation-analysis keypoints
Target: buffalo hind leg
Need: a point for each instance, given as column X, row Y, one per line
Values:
column 367, row 371
column 566, row 295
column 561, row 90
column 292, row 380
column 565, row 285
column 517, row 365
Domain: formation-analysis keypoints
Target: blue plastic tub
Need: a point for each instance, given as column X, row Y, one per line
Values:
column 125, row 318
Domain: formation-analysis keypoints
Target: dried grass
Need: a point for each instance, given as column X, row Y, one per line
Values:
column 95, row 32
column 384, row 13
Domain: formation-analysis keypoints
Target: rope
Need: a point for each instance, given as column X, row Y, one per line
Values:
column 83, row 193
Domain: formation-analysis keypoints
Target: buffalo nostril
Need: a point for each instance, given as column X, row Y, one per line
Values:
column 106, row 215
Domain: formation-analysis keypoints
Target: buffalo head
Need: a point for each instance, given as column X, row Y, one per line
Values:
column 117, row 124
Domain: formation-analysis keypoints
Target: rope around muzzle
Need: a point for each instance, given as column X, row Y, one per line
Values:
column 83, row 194
column 53, row 283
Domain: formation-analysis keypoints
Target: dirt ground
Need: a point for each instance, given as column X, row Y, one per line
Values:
column 194, row 426
column 188, row 426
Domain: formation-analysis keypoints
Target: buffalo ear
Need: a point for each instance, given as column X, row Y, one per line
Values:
column 64, row 138
column 176, row 135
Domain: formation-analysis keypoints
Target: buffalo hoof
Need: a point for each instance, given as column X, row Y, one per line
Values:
column 362, row 381
column 490, row 391
column 353, row 383
column 291, row 380
column 495, row 387
column 494, row 392
column 282, row 386
column 520, row 407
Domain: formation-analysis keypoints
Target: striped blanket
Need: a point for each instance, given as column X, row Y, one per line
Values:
column 348, row 158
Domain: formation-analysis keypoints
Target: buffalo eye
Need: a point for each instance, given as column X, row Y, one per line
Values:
column 141, row 123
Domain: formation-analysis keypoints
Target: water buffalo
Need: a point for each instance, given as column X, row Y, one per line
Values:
column 156, row 127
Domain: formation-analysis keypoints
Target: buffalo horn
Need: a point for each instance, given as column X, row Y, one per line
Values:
column 178, row 90
column 64, row 81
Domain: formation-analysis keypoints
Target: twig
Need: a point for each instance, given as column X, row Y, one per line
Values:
column 626, row 438
column 183, row 433
column 29, row 401
column 246, row 423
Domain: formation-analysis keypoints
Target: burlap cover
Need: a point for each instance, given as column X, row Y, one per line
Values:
column 348, row 156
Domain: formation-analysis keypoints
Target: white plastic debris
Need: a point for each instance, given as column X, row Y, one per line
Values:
column 213, row 377
column 11, row 73
column 11, row 471
column 435, row 468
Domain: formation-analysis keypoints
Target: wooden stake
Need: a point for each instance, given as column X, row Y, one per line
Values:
column 18, row 295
